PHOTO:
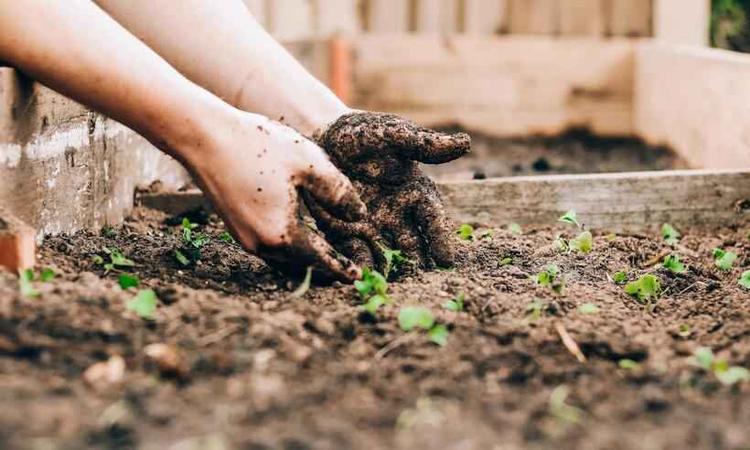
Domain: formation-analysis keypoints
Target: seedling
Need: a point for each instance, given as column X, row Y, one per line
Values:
column 535, row 310
column 726, row 374
column 456, row 304
column 465, row 232
column 393, row 260
column 506, row 261
column 117, row 260
column 487, row 234
column 620, row 277
column 582, row 243
column 684, row 330
column 127, row 280
column 570, row 218
column 673, row 264
column 305, row 285
column 745, row 280
column 670, row 235
column 108, row 232
column 560, row 410
column 181, row 258
column 628, row 364
column 724, row 260
column 27, row 277
column 550, row 277
column 192, row 242
column 415, row 317
column 645, row 288
column 588, row 308
column 227, row 238
column 373, row 289
column 561, row 245
column 515, row 228
column 143, row 304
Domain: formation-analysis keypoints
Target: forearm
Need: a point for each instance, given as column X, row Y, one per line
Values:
column 75, row 48
column 222, row 48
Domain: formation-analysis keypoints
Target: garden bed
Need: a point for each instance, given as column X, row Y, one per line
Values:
column 258, row 368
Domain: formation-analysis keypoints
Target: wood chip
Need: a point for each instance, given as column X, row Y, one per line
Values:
column 569, row 343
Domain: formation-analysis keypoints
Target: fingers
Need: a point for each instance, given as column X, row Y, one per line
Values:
column 437, row 229
column 425, row 145
column 331, row 188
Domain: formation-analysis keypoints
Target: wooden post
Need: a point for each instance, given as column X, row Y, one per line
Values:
column 17, row 243
column 388, row 16
column 582, row 17
column 684, row 22
column 340, row 66
column 534, row 16
column 485, row 16
column 630, row 18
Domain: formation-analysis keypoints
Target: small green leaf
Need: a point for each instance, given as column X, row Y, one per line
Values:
column 181, row 258
column 549, row 277
column 561, row 410
column 411, row 317
column 515, row 228
column 673, row 264
column 724, row 260
column 227, row 238
column 144, row 304
column 465, row 232
column 507, row 261
column 456, row 304
column 570, row 218
column 535, row 309
column 119, row 260
column 745, row 279
column 98, row 260
column 628, row 364
column 620, row 277
column 684, row 330
column 670, row 235
column 373, row 303
column 25, row 286
column 127, row 280
column 305, row 285
column 588, row 308
column 704, row 357
column 582, row 243
column 393, row 260
column 561, row 245
column 372, row 282
column 438, row 334
column 644, row 288
column 732, row 375
column 47, row 274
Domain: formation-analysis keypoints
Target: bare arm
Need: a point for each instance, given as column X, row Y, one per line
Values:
column 222, row 47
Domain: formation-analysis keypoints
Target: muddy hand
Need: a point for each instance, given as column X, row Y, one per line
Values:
column 253, row 173
column 380, row 154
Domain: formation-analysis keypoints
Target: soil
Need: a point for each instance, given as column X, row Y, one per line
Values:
column 575, row 151
column 250, row 366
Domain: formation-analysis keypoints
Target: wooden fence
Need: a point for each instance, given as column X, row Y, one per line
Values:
column 304, row 19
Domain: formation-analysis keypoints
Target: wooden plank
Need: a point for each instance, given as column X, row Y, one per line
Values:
column 695, row 100
column 534, row 17
column 632, row 18
column 436, row 16
column 336, row 18
column 682, row 21
column 387, row 16
column 613, row 202
column 501, row 85
column 290, row 20
column 582, row 17
column 485, row 16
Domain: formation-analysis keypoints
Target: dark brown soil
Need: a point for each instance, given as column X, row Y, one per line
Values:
column 576, row 151
column 263, row 369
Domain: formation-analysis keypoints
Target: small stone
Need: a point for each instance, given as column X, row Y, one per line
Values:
column 168, row 360
column 105, row 373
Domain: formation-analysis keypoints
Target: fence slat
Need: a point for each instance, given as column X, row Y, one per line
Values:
column 290, row 19
column 436, row 16
column 485, row 16
column 534, row 16
column 582, row 17
column 335, row 17
column 388, row 16
column 630, row 18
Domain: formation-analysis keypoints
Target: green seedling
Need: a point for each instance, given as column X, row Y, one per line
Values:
column 515, row 228
column 305, row 285
column 394, row 259
column 26, row 279
column 506, row 261
column 724, row 260
column 684, row 330
column 582, row 243
column 745, row 280
column 373, row 289
column 645, row 288
column 669, row 234
column 673, row 264
column 570, row 218
column 192, row 242
column 487, row 234
column 143, row 304
column 415, row 317
column 535, row 310
column 127, row 280
column 588, row 308
column 456, row 304
column 227, row 238
column 117, row 260
column 465, row 232
column 181, row 258
column 562, row 411
column 628, row 364
column 550, row 277
column 109, row 232
column 620, row 277
column 726, row 374
column 561, row 245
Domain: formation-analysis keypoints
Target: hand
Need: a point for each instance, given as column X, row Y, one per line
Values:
column 251, row 169
column 380, row 154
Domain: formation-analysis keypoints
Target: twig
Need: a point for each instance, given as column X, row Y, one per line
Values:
column 394, row 344
column 569, row 343
column 657, row 259
column 218, row 335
